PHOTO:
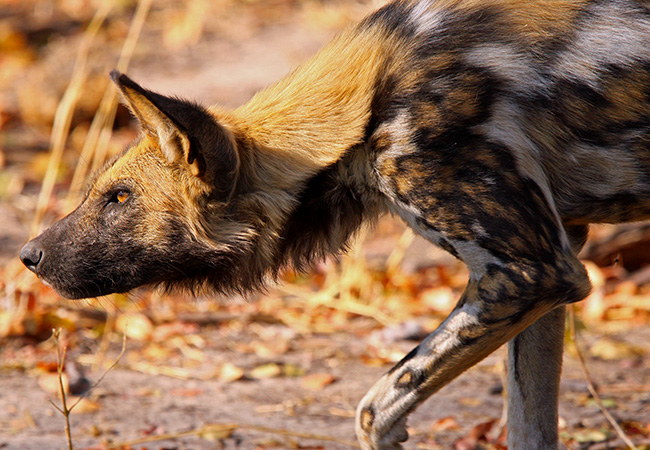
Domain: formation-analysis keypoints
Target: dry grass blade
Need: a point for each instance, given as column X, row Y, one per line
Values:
column 109, row 328
column 132, row 37
column 96, row 144
column 354, row 279
column 63, row 116
column 591, row 386
column 397, row 255
column 345, row 289
column 327, row 297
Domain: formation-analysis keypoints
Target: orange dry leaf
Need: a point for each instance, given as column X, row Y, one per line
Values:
column 10, row 325
column 186, row 392
column 375, row 360
column 636, row 429
column 156, row 352
column 317, row 381
column 476, row 435
column 446, row 423
column 626, row 287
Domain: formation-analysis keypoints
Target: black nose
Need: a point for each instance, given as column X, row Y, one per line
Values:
column 31, row 255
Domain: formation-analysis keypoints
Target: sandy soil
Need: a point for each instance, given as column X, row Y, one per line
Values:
column 132, row 403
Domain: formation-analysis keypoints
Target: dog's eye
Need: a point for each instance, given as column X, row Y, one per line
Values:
column 121, row 196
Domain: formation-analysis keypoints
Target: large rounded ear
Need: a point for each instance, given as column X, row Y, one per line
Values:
column 186, row 133
column 156, row 122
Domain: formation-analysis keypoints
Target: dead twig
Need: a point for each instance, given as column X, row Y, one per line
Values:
column 60, row 358
column 60, row 362
column 590, row 384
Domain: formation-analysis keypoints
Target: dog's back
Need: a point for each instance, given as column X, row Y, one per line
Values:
column 563, row 87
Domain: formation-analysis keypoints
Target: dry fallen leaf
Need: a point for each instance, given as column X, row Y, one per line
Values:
column 167, row 330
column 186, row 392
column 135, row 326
column 215, row 433
column 609, row 349
column 269, row 370
column 439, row 299
column 476, row 435
column 9, row 325
column 292, row 370
column 49, row 382
column 229, row 372
column 446, row 423
column 588, row 435
column 84, row 406
column 156, row 352
column 270, row 349
column 317, row 381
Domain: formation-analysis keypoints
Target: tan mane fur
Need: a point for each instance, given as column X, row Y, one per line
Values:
column 308, row 120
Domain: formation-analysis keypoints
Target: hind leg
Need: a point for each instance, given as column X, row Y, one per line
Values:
column 534, row 370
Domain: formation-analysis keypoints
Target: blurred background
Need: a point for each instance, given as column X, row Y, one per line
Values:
column 281, row 369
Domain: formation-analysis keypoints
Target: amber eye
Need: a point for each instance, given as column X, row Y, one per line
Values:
column 121, row 196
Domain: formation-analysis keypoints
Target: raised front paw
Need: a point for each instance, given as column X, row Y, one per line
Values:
column 379, row 430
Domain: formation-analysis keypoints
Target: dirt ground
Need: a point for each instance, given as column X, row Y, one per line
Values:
column 234, row 57
column 132, row 404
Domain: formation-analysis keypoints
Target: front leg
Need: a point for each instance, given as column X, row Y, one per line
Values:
column 503, row 225
column 487, row 316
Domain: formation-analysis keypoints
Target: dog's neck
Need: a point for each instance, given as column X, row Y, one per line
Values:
column 295, row 128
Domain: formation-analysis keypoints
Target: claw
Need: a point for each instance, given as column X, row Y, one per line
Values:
column 395, row 435
column 380, row 436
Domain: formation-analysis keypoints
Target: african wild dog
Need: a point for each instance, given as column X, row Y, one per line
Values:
column 497, row 129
